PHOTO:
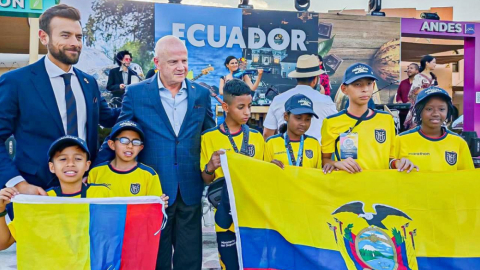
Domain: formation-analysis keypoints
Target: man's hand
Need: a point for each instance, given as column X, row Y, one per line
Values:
column 405, row 164
column 214, row 162
column 349, row 165
column 25, row 188
column 122, row 86
column 6, row 196
column 260, row 71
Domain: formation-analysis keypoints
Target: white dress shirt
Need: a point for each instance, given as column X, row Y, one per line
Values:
column 58, row 85
column 175, row 107
column 323, row 106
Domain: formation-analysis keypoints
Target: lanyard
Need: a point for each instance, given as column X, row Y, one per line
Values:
column 245, row 131
column 360, row 120
column 291, row 157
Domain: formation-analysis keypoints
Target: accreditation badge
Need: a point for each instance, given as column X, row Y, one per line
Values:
column 349, row 145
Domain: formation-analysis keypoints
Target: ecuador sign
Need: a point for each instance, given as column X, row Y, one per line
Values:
column 25, row 8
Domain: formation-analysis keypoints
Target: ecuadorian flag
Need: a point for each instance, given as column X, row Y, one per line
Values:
column 299, row 218
column 97, row 234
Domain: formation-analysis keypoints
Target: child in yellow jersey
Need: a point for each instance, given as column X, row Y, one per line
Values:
column 360, row 138
column 430, row 145
column 69, row 159
column 232, row 135
column 124, row 175
column 291, row 146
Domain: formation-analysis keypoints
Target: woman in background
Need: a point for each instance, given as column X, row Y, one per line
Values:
column 231, row 63
column 422, row 81
column 324, row 79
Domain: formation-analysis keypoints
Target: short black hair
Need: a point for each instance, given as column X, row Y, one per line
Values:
column 235, row 88
column 64, row 146
column 421, row 105
column 320, row 58
column 415, row 65
column 121, row 55
column 227, row 61
column 62, row 11
column 308, row 80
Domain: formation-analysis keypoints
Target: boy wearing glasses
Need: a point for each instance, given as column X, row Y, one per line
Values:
column 124, row 175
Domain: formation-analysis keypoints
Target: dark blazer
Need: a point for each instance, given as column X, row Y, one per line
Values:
column 29, row 111
column 115, row 78
column 175, row 159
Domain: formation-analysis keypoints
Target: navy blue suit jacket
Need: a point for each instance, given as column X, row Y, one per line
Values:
column 29, row 111
column 176, row 159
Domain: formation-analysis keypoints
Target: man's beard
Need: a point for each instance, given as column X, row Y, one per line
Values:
column 61, row 56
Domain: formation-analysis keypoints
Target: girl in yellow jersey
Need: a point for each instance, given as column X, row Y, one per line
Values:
column 430, row 145
column 291, row 146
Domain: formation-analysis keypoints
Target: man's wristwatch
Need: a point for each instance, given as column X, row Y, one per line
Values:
column 206, row 170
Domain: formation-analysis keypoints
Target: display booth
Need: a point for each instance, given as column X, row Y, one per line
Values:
column 457, row 31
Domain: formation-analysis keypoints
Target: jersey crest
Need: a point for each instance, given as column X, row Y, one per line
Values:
column 309, row 154
column 380, row 135
column 451, row 157
column 251, row 150
column 135, row 188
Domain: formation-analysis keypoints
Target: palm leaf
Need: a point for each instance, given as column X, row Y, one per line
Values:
column 325, row 46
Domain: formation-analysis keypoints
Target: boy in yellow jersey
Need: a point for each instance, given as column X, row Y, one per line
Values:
column 291, row 146
column 124, row 175
column 68, row 160
column 360, row 138
column 430, row 145
column 232, row 135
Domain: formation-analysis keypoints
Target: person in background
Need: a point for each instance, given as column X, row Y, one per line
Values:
column 430, row 145
column 324, row 79
column 306, row 74
column 151, row 73
column 231, row 63
column 423, row 80
column 404, row 89
column 120, row 77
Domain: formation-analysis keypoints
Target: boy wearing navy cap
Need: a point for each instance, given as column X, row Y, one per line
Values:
column 69, row 159
column 292, row 146
column 360, row 138
column 124, row 175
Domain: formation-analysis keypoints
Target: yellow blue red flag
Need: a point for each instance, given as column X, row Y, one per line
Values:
column 299, row 218
column 71, row 233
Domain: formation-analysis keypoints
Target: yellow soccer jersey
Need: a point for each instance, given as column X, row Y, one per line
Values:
column 447, row 153
column 216, row 139
column 376, row 137
column 312, row 153
column 88, row 191
column 141, row 180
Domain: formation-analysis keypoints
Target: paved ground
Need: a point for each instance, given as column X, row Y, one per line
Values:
column 8, row 258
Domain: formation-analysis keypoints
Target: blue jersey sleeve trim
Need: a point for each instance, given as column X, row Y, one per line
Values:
column 146, row 168
column 273, row 137
column 337, row 114
column 209, row 130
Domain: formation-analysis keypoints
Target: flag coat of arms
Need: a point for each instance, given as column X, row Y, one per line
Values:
column 299, row 218
column 88, row 234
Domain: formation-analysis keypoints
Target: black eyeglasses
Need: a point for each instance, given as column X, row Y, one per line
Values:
column 127, row 141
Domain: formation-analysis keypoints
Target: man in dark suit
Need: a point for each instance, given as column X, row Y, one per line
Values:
column 173, row 112
column 120, row 77
column 46, row 100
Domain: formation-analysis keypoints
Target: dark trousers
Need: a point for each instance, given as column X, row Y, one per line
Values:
column 227, row 249
column 183, row 234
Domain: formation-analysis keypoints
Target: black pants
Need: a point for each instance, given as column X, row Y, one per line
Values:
column 227, row 249
column 183, row 233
